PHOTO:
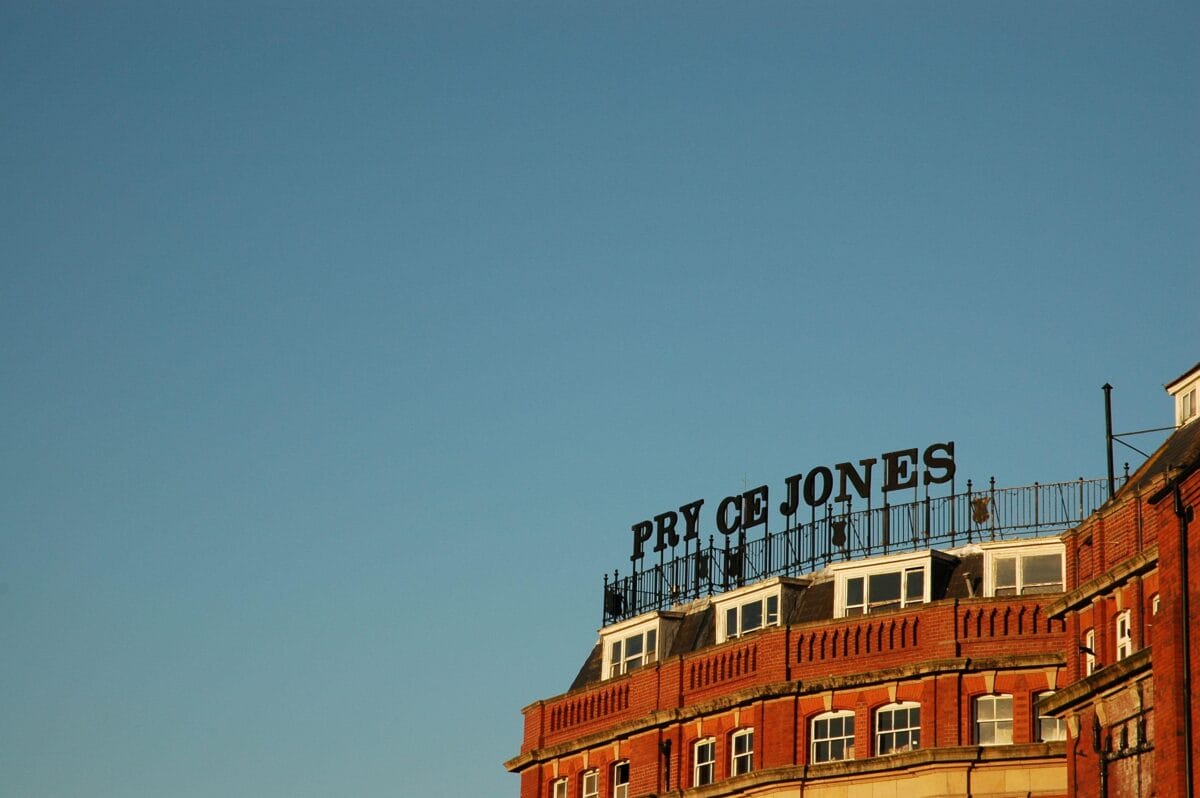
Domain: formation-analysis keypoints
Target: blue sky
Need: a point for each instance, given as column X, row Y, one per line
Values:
column 344, row 343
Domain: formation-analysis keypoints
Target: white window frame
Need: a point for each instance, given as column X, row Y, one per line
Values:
column 1123, row 623
column 704, row 771
column 1187, row 406
column 1155, row 600
column 589, row 784
column 1000, row 726
column 559, row 788
column 846, row 740
column 1040, row 721
column 731, row 610
column 616, row 639
column 620, row 789
column 1184, row 391
column 741, row 761
column 1089, row 657
column 913, row 733
column 905, row 565
column 766, row 607
column 992, row 556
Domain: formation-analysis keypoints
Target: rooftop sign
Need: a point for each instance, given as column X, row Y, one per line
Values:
column 903, row 469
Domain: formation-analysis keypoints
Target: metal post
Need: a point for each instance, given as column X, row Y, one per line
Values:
column 1108, row 437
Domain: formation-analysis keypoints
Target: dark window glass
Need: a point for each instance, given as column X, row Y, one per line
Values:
column 751, row 616
column 1042, row 573
column 1006, row 576
column 884, row 590
column 914, row 588
column 854, row 590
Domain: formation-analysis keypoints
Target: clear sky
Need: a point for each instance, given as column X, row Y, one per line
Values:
column 343, row 343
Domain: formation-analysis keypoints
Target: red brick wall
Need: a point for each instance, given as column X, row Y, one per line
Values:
column 1118, row 535
column 1170, row 701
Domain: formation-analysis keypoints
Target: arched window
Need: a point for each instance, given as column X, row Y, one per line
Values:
column 898, row 728
column 1124, row 635
column 590, row 784
column 832, row 737
column 559, row 788
column 741, row 745
column 993, row 720
column 620, row 779
column 704, row 760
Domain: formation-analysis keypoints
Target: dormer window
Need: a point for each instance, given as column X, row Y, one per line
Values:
column 747, row 616
column 1185, row 390
column 634, row 651
column 1025, row 570
column 889, row 583
column 888, row 590
column 636, row 643
column 1187, row 406
column 741, row 612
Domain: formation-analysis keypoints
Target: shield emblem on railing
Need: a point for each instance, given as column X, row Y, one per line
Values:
column 733, row 563
column 979, row 510
column 839, row 534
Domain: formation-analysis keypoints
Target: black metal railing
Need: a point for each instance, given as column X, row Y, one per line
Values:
column 840, row 534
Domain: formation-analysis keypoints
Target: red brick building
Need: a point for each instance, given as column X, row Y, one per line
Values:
column 1134, row 576
column 937, row 649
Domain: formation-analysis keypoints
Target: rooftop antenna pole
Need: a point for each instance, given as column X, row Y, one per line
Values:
column 1108, row 438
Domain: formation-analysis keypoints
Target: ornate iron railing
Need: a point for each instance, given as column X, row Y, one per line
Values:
column 844, row 534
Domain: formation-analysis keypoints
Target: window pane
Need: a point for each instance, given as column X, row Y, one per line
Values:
column 885, row 721
column 884, row 588
column 1006, row 575
column 751, row 616
column 633, row 646
column 914, row 587
column 1042, row 570
column 731, row 624
column 772, row 609
column 854, row 591
column 651, row 645
column 1050, row 730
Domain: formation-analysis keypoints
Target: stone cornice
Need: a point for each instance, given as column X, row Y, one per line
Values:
column 1103, row 680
